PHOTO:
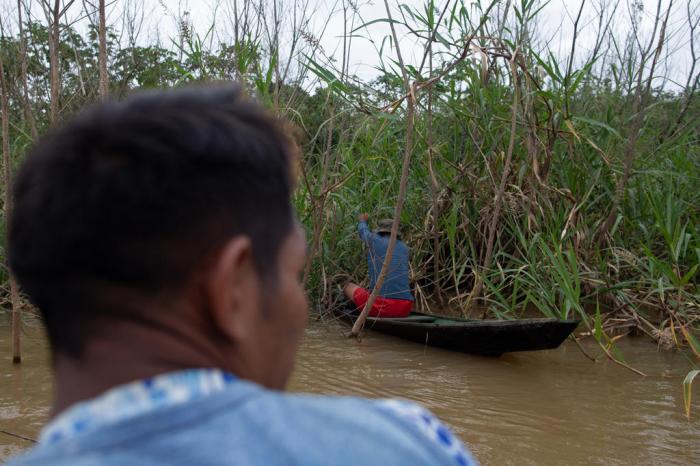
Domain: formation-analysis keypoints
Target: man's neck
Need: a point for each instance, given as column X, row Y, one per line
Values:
column 137, row 352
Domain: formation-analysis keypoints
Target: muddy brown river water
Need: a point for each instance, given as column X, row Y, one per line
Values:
column 547, row 407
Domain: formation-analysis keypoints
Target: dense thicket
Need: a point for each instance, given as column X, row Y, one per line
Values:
column 590, row 208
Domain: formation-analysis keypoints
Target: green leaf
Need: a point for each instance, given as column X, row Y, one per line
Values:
column 599, row 124
column 579, row 76
column 442, row 40
column 692, row 341
column 687, row 390
column 270, row 70
column 375, row 21
column 547, row 67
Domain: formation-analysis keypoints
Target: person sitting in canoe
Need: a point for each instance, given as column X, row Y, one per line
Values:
column 395, row 299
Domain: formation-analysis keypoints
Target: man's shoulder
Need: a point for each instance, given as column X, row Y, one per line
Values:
column 383, row 431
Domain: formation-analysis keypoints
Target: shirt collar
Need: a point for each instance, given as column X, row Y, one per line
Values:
column 134, row 399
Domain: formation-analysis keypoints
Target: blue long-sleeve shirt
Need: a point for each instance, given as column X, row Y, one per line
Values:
column 396, row 285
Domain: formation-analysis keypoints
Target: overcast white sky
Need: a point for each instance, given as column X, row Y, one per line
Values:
column 556, row 25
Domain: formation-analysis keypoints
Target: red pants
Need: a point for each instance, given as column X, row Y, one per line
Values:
column 382, row 307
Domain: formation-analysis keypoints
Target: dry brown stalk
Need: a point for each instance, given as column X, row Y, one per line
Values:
column 434, row 186
column 498, row 200
column 620, row 363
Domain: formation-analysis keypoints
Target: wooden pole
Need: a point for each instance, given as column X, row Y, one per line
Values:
column 411, row 91
column 403, row 185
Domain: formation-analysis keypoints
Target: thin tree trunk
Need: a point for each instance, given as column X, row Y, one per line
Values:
column 7, row 175
column 28, row 115
column 104, row 77
column 16, row 321
column 278, row 84
column 403, row 185
column 236, row 41
column 53, row 17
column 54, row 79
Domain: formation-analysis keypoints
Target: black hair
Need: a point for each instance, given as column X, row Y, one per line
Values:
column 135, row 195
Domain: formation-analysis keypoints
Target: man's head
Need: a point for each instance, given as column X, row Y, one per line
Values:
column 384, row 227
column 134, row 211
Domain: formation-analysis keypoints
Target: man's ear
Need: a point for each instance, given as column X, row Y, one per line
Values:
column 231, row 288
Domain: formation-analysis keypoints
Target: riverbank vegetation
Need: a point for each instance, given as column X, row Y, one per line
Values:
column 531, row 180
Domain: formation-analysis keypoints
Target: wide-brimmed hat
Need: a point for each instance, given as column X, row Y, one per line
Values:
column 384, row 225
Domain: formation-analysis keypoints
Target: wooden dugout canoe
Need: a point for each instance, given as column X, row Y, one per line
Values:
column 485, row 337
